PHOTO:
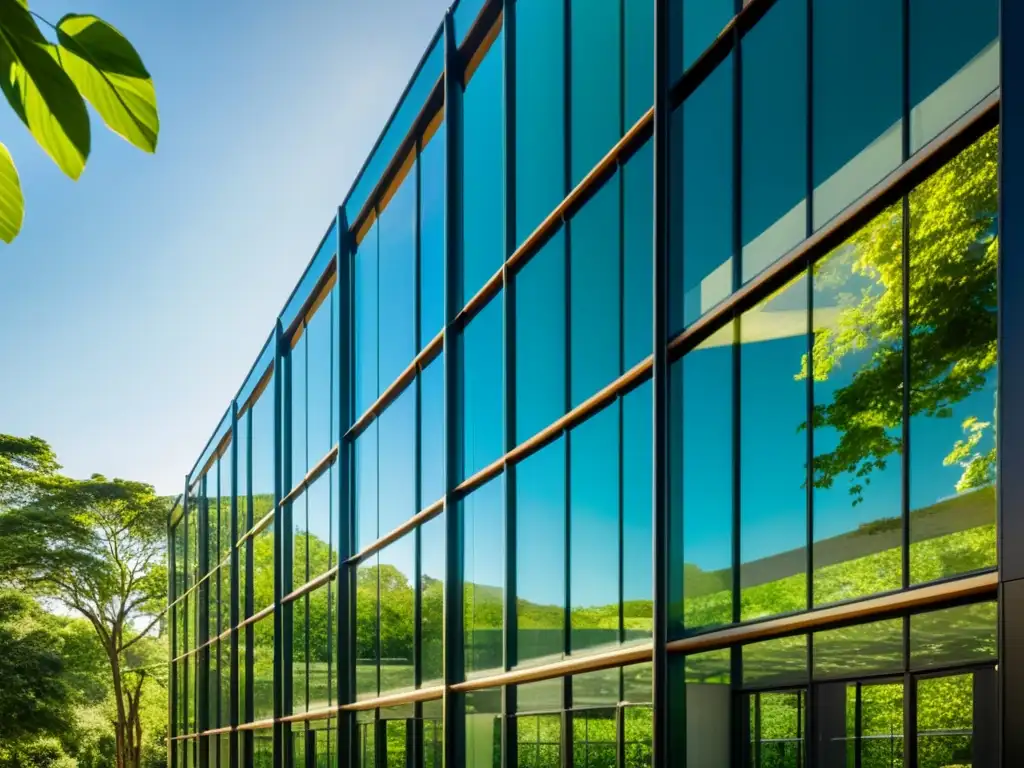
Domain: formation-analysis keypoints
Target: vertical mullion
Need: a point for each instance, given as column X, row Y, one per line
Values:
column 279, row 480
column 203, row 608
column 567, row 324
column 511, row 620
column 454, row 666
column 662, row 718
column 233, row 597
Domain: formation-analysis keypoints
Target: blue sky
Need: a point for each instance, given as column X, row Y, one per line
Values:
column 135, row 300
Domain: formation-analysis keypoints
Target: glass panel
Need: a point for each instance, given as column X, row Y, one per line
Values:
column 543, row 696
column 396, row 231
column 540, row 554
column 954, row 253
column 701, row 256
column 299, row 543
column 433, row 743
column 297, row 414
column 701, row 22
column 432, row 199
column 366, row 739
column 367, row 646
column 396, row 487
column 397, row 620
column 365, row 298
column 596, row 71
column 244, row 521
column 637, row 468
column 638, row 235
column 778, row 662
column 432, row 444
column 540, row 339
column 594, row 531
column 539, row 740
column 540, row 113
column 365, row 502
column 639, row 727
column 953, row 636
column 708, row 705
column 875, row 648
column 263, row 669
column 639, row 63
column 597, row 689
column 779, row 725
column 320, row 639
column 263, row 471
column 954, row 62
column 432, row 563
column 483, row 182
column 773, row 454
column 300, row 648
column 263, row 568
column 636, row 683
column 482, row 366
column 320, row 511
column 320, row 383
column 594, row 738
column 394, row 754
column 857, row 99
column 945, row 721
column 881, row 726
column 774, row 154
column 857, row 367
column 483, row 526
column 594, row 301
column 702, row 479
column 483, row 729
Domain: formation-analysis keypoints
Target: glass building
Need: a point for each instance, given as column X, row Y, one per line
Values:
column 638, row 408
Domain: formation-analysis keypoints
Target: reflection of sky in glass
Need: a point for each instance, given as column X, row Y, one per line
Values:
column 540, row 526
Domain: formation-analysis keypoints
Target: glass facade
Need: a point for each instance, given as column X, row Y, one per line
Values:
column 468, row 494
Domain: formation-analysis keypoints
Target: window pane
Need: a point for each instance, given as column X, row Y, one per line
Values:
column 594, row 738
column 483, row 729
column 639, row 727
column 432, row 563
column 397, row 462
column 397, row 620
column 297, row 383
column 365, row 458
column 482, row 359
column 539, row 740
column 244, row 521
column 432, row 426
column 321, row 628
column 954, row 62
column 483, row 181
column 639, row 63
column 594, row 530
column 320, row 382
column 945, row 721
column 367, row 648
column 365, row 299
column 858, row 401
column 596, row 70
column 263, row 669
column 773, row 454
column 432, row 198
column 638, row 260
column 396, row 231
column 954, row 254
column 263, row 568
column 881, row 726
column 540, row 113
column 263, row 454
column 637, row 469
column 300, row 574
column 857, row 99
column 594, row 297
column 483, row 527
column 874, row 648
column 300, row 640
column 701, row 178
column 953, row 636
column 774, row 134
column 319, row 497
column 540, row 339
column 540, row 554
column 702, row 21
column 395, row 748
column 702, row 480
column 775, row 662
column 593, row 689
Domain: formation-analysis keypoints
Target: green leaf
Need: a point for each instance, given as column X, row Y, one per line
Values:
column 40, row 92
column 12, row 204
column 109, row 73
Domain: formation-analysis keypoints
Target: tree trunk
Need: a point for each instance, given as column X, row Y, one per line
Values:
column 120, row 730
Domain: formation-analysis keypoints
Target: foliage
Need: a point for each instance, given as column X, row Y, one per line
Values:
column 47, row 83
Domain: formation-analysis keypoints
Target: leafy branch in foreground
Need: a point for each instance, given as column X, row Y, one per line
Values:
column 48, row 82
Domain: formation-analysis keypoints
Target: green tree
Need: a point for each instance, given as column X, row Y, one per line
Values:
column 96, row 547
column 47, row 83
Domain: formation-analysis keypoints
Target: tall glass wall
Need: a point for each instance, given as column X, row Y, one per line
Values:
column 425, row 527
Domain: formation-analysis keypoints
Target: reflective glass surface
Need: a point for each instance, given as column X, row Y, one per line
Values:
column 596, row 70
column 482, row 363
column 432, row 169
column 396, row 232
column 431, row 585
column 483, row 532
